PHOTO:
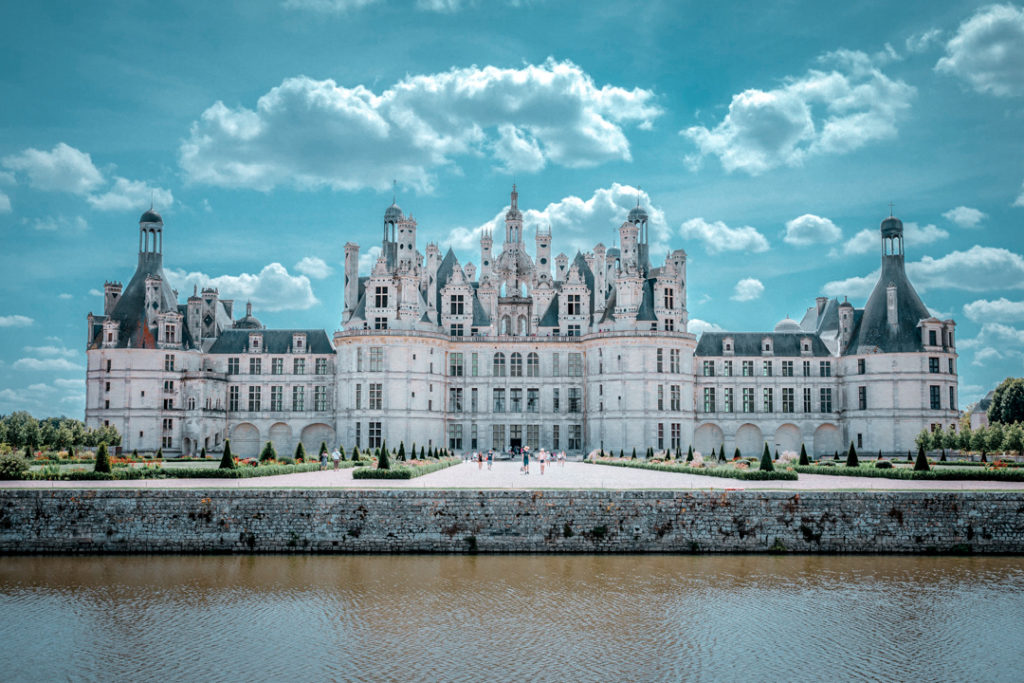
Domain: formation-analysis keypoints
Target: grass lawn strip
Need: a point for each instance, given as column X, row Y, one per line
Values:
column 725, row 472
column 411, row 471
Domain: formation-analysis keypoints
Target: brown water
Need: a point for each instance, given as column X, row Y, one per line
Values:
column 511, row 618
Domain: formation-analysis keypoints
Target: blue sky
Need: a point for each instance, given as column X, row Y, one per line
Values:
column 767, row 142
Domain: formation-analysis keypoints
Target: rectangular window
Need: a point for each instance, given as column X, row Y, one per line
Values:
column 359, row 397
column 233, row 398
column 299, row 366
column 376, row 396
column 373, row 434
column 862, row 398
column 556, row 369
column 456, row 330
column 748, row 368
column 826, row 401
column 458, row 305
column 661, row 397
column 787, row 368
column 788, row 400
column 474, row 400
column 255, row 366
column 380, row 323
column 932, row 341
column 807, row 368
column 766, row 370
column 232, row 366
column 254, row 399
column 499, row 400
column 748, row 399
column 298, row 398
column 769, row 400
column 168, row 424
column 862, row 366
column 673, row 360
column 168, row 404
column 728, row 400
column 661, row 436
column 476, row 365
column 575, row 365
column 168, row 363
column 380, row 297
column 376, row 359
column 533, row 365
column 515, row 433
column 498, row 437
column 727, row 368
column 472, row 438
column 573, row 305
column 515, row 402
column 670, row 298
column 950, row 366
column 359, row 360
column 575, row 400
column 277, row 366
column 575, row 437
column 933, row 392
column 807, row 400
column 554, row 437
column 555, row 404
column 455, row 437
column 659, row 360
column 533, row 436
column 933, row 365
column 674, row 402
column 952, row 398
column 825, row 368
column 533, row 400
column 321, row 366
column 166, row 442
column 455, row 365
column 320, row 397
column 168, row 386
column 277, row 398
column 515, row 365
column 709, row 399
column 572, row 330
column 709, row 368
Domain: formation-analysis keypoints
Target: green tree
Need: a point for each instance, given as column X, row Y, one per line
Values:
column 1007, row 404
column 323, row 449
column 689, row 453
column 268, row 453
column 950, row 439
column 412, row 451
column 202, row 452
column 383, row 462
column 226, row 461
column 300, row 452
column 71, row 452
column 634, row 453
column 804, row 460
column 401, row 451
column 423, row 453
column 721, row 453
column 63, row 438
column 714, row 455
column 995, row 438
column 979, row 440
column 766, row 460
column 341, row 452
column 923, row 439
column 622, row 454
column 355, row 453
column 851, row 457
column 1013, row 439
column 965, row 440
column 736, row 454
column 921, row 464
column 159, row 453
column 102, row 460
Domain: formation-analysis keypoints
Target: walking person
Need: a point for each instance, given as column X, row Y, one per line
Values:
column 479, row 460
column 336, row 457
column 526, row 462
column 323, row 460
column 490, row 460
column 542, row 457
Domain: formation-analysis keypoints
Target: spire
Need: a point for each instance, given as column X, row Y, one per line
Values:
column 515, row 197
column 394, row 192
column 248, row 308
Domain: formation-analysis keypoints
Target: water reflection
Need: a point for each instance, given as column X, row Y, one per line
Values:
column 510, row 618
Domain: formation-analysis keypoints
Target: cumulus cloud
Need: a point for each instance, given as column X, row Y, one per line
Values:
column 272, row 289
column 868, row 240
column 314, row 267
column 1020, row 198
column 46, row 364
column 95, row 292
column 51, row 351
column 15, row 321
column 920, row 42
column 5, row 203
column 718, row 237
column 131, row 194
column 336, row 6
column 747, row 289
column 368, row 259
column 965, row 217
column 698, row 327
column 309, row 133
column 1001, row 309
column 63, row 169
column 40, row 398
column 60, row 223
column 987, row 355
column 988, row 51
column 821, row 112
column 810, row 229
column 64, row 296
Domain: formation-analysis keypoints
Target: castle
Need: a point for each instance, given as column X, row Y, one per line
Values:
column 578, row 354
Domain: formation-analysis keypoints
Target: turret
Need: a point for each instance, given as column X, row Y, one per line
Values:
column 486, row 260
column 111, row 295
column 543, row 253
column 193, row 319
column 561, row 267
column 151, row 237
column 351, row 278
column 514, row 219
column 153, row 285
column 638, row 217
column 629, row 255
column 845, row 324
column 406, row 243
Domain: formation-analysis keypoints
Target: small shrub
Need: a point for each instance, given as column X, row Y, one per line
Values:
column 921, row 464
column 300, row 452
column 851, row 457
column 689, row 454
column 383, row 463
column 766, row 461
column 102, row 460
column 804, row 460
column 401, row 451
column 634, row 453
column 13, row 467
column 883, row 464
column 202, row 452
column 268, row 453
column 226, row 461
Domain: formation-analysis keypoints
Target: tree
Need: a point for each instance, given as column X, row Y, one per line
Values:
column 965, row 440
column 736, row 454
column 102, row 460
column 950, row 439
column 383, row 463
column 1013, row 439
column 226, row 461
column 323, row 449
column 1007, row 404
column 412, row 451
column 714, row 456
column 921, row 464
column 634, row 453
column 766, row 460
column 851, row 457
column 679, row 452
column 71, row 452
column 268, row 453
column 689, row 453
column 721, row 453
column 649, row 454
column 622, row 454
column 804, row 460
column 159, row 452
column 202, row 452
column 300, row 452
column 996, row 434
column 341, row 452
column 423, row 453
column 355, row 453
column 923, row 439
column 979, row 440
column 401, row 451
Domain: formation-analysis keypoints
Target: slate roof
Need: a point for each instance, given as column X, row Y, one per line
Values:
column 274, row 341
column 646, row 310
column 784, row 344
column 480, row 317
column 872, row 332
column 588, row 278
column 828, row 319
column 550, row 317
column 444, row 272
column 130, row 310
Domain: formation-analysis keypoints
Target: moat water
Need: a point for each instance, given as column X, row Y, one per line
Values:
column 511, row 618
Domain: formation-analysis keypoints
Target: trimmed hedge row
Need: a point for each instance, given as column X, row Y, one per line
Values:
column 133, row 473
column 724, row 472
column 404, row 471
column 944, row 474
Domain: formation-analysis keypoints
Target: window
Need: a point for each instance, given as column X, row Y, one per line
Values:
column 661, row 397
column 826, row 401
column 860, row 440
column 748, row 399
column 533, row 365
column 359, row 397
column 255, row 366
column 376, row 359
column 950, row 366
column 825, row 368
column 320, row 398
column 862, row 366
column 106, row 404
column 533, row 436
column 533, row 400
column 676, row 441
column 472, row 438
column 807, row 368
column 232, row 398
column 456, row 330
column 572, row 330
column 933, row 365
column 376, row 396
column 457, row 305
column 515, row 400
column 474, row 400
column 515, row 365
column 498, row 366
column 298, row 398
column 575, row 400
column 321, row 366
column 373, row 434
column 455, row 365
column 168, row 424
column 670, row 298
column 807, row 400
column 455, row 399
column 110, row 363
column 709, row 368
column 254, row 399
column 168, row 404
column 727, row 368
column 380, row 297
column 573, row 305
column 277, row 366
column 476, row 364
column 748, row 368
column 166, row 442
column 575, row 437
column 769, row 400
column 766, row 370
column 673, row 360
column 670, row 324
column 952, row 398
column 232, row 366
column 788, row 400
column 659, row 360
column 359, row 434
column 499, row 400
column 498, row 437
column 554, row 437
column 661, row 436
column 277, row 398
column 556, row 368
column 728, row 400
column 932, row 341
column 299, row 366
column 168, row 386
column 862, row 398
column 455, row 437
column 709, row 399
column 935, row 399
column 674, row 401
column 168, row 363
column 575, row 365
column 555, row 407
column 380, row 323
column 787, row 368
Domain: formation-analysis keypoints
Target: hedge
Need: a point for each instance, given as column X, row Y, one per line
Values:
column 132, row 473
column 943, row 474
column 404, row 471
column 724, row 472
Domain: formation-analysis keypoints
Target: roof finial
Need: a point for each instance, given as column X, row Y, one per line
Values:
column 638, row 196
column 890, row 209
column 394, row 191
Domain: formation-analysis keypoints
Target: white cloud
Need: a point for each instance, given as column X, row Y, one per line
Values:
column 747, row 289
column 965, row 217
column 7, row 178
column 1020, row 198
column 999, row 335
column 51, row 351
column 988, row 51
column 868, row 240
column 63, row 169
column 810, row 229
column 1000, row 310
column 861, row 243
column 42, row 399
column 131, row 194
column 832, row 112
column 61, row 224
column 310, row 133
column 65, row 296
column 368, row 259
column 314, row 267
column 95, row 292
column 698, row 327
column 15, row 321
column 272, row 289
column 920, row 42
column 851, row 286
column 445, row 6
column 718, row 237
column 337, row 6
column 69, row 383
column 46, row 364
column 5, row 203
column 986, row 355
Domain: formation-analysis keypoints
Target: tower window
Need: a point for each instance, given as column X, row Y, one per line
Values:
column 380, row 298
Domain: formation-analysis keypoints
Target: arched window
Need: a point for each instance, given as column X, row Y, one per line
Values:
column 522, row 326
column 506, row 323
column 533, row 365
column 499, row 365
column 516, row 365
column 191, row 403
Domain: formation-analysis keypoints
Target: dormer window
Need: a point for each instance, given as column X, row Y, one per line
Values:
column 766, row 345
column 170, row 333
column 299, row 342
column 255, row 343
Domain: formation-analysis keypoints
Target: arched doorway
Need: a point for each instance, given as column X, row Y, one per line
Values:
column 827, row 440
column 281, row 437
column 706, row 437
column 245, row 440
column 315, row 434
column 749, row 440
column 787, row 438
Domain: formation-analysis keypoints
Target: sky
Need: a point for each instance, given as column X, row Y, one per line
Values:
column 768, row 140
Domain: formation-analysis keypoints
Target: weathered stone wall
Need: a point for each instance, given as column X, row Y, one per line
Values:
column 351, row 521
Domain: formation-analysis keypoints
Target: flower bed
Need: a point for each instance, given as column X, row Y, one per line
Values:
column 131, row 473
column 946, row 473
column 414, row 468
column 725, row 471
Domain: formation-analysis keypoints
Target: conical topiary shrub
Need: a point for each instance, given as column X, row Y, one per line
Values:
column 943, row 458
column 776, row 454
column 202, row 452
column 804, row 460
column 622, row 454
column 341, row 452
column 921, row 464
column 634, row 453
column 689, row 454
column 851, row 457
column 102, row 460
column 423, row 452
column 300, row 452
column 355, row 453
column 766, row 461
column 268, row 453
column 721, row 453
column 159, row 454
column 226, row 461
column 383, row 462
column 714, row 456
column 736, row 454
column 135, row 454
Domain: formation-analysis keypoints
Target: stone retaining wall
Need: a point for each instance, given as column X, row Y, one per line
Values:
column 384, row 521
